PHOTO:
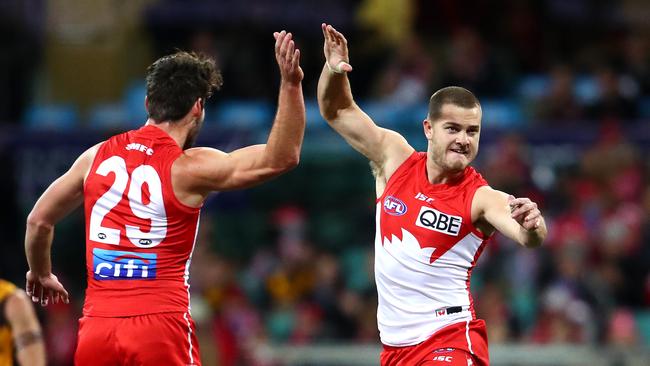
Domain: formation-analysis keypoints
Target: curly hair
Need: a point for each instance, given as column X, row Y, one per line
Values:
column 176, row 81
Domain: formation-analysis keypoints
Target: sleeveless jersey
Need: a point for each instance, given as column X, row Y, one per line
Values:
column 425, row 249
column 6, row 338
column 139, row 236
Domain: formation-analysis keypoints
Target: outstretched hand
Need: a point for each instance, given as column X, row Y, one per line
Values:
column 335, row 48
column 525, row 212
column 45, row 289
column 288, row 57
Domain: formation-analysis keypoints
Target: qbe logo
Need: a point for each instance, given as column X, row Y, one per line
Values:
column 435, row 220
column 119, row 265
column 394, row 206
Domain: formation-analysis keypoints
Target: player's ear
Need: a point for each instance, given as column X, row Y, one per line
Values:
column 146, row 103
column 197, row 108
column 427, row 126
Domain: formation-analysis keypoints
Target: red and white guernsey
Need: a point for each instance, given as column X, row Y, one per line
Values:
column 425, row 249
column 139, row 236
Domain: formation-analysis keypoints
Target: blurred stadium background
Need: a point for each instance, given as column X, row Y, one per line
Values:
column 282, row 274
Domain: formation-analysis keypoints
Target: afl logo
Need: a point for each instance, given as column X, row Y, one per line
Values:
column 394, row 206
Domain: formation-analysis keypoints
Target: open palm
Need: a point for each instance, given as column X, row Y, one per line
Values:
column 335, row 48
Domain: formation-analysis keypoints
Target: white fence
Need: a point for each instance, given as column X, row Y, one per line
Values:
column 500, row 355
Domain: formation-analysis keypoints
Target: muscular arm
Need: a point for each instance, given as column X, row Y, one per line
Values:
column 204, row 170
column 60, row 198
column 517, row 218
column 26, row 331
column 385, row 148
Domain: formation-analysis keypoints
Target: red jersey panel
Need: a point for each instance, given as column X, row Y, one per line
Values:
column 425, row 248
column 139, row 236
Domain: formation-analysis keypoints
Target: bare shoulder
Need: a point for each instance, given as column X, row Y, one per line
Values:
column 397, row 150
column 85, row 160
column 196, row 160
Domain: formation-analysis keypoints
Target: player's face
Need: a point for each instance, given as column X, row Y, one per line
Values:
column 454, row 137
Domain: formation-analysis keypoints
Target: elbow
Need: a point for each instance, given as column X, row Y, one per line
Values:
column 328, row 115
column 289, row 163
column 37, row 222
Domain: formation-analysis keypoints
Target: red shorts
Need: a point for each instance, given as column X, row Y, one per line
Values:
column 154, row 339
column 459, row 344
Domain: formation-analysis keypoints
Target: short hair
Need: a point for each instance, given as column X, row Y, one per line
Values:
column 450, row 95
column 176, row 81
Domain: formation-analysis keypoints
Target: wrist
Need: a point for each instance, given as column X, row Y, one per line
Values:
column 297, row 84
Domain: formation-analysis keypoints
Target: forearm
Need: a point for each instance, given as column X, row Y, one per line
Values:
column 30, row 349
column 334, row 93
column 286, row 136
column 38, row 242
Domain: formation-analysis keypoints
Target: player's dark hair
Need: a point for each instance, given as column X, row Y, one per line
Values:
column 451, row 95
column 176, row 81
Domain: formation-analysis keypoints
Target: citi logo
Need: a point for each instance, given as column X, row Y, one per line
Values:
column 432, row 219
column 119, row 265
column 394, row 206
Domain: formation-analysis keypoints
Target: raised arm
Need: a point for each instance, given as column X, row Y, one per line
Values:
column 60, row 198
column 517, row 218
column 386, row 148
column 203, row 170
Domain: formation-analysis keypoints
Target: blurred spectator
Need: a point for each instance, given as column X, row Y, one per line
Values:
column 408, row 77
column 560, row 104
column 616, row 96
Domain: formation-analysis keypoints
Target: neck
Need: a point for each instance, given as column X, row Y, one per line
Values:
column 438, row 175
column 176, row 130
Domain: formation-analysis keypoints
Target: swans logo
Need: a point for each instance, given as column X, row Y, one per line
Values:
column 118, row 265
column 394, row 206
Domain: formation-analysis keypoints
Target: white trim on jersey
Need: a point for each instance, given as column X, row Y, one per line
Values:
column 469, row 341
column 186, row 277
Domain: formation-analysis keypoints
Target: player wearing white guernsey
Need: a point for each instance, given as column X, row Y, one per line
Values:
column 434, row 215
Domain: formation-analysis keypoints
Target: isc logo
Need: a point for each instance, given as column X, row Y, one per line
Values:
column 119, row 265
column 435, row 220
column 443, row 358
column 394, row 206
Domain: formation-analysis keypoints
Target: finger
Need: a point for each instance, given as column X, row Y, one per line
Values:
column 45, row 299
column 285, row 44
column 330, row 34
column 278, row 41
column 533, row 216
column 64, row 295
column 335, row 37
column 522, row 211
column 343, row 39
column 35, row 293
column 295, row 61
column 290, row 48
column 276, row 35
column 57, row 298
column 29, row 288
